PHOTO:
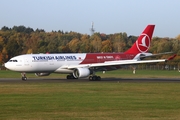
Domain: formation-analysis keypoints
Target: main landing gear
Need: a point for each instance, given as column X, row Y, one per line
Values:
column 24, row 76
column 94, row 78
column 91, row 78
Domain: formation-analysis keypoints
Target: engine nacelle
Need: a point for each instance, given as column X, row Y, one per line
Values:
column 81, row 72
column 42, row 74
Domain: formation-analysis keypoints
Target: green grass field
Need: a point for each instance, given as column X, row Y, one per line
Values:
column 115, row 74
column 91, row 100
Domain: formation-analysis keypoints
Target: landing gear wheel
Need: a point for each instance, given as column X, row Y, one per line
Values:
column 94, row 78
column 24, row 78
column 98, row 78
column 90, row 78
column 70, row 77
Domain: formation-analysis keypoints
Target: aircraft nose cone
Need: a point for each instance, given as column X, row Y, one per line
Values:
column 9, row 66
column 6, row 65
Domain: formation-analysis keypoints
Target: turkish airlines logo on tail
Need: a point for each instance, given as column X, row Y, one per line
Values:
column 143, row 43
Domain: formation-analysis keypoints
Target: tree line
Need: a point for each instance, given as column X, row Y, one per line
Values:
column 25, row 40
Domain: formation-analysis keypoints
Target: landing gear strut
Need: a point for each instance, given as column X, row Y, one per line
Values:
column 94, row 78
column 24, row 76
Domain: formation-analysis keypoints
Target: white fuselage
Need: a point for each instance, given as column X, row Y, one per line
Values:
column 44, row 62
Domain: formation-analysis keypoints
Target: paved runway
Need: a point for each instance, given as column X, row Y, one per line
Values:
column 9, row 80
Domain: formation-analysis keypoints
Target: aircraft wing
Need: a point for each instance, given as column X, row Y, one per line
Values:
column 113, row 63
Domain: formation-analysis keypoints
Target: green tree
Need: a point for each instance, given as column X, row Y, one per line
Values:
column 164, row 46
column 5, row 28
column 13, row 48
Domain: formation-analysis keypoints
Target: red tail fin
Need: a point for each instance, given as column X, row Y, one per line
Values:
column 142, row 44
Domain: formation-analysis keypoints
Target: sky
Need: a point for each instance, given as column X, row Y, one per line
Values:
column 108, row 16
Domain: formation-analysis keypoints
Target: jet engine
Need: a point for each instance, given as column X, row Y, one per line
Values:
column 42, row 74
column 81, row 72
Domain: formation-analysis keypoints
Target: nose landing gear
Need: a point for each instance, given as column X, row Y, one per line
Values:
column 24, row 76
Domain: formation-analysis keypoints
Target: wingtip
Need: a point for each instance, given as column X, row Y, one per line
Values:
column 172, row 57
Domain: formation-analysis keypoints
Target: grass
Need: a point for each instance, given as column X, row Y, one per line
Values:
column 91, row 100
column 141, row 74
column 111, row 74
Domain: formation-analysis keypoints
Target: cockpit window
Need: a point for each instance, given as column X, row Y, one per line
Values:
column 13, row 61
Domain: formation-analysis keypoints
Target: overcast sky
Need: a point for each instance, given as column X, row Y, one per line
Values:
column 109, row 16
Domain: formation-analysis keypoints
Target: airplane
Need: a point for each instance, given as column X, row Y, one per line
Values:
column 82, row 65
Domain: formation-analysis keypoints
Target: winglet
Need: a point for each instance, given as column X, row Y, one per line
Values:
column 172, row 57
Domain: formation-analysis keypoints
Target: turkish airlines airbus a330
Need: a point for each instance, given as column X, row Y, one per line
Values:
column 80, row 65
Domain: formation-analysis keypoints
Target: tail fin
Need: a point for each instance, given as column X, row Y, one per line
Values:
column 142, row 44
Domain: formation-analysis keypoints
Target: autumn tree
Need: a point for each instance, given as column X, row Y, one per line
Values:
column 96, row 42
column 74, row 45
column 119, row 42
column 23, row 40
column 106, row 46
column 85, row 45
